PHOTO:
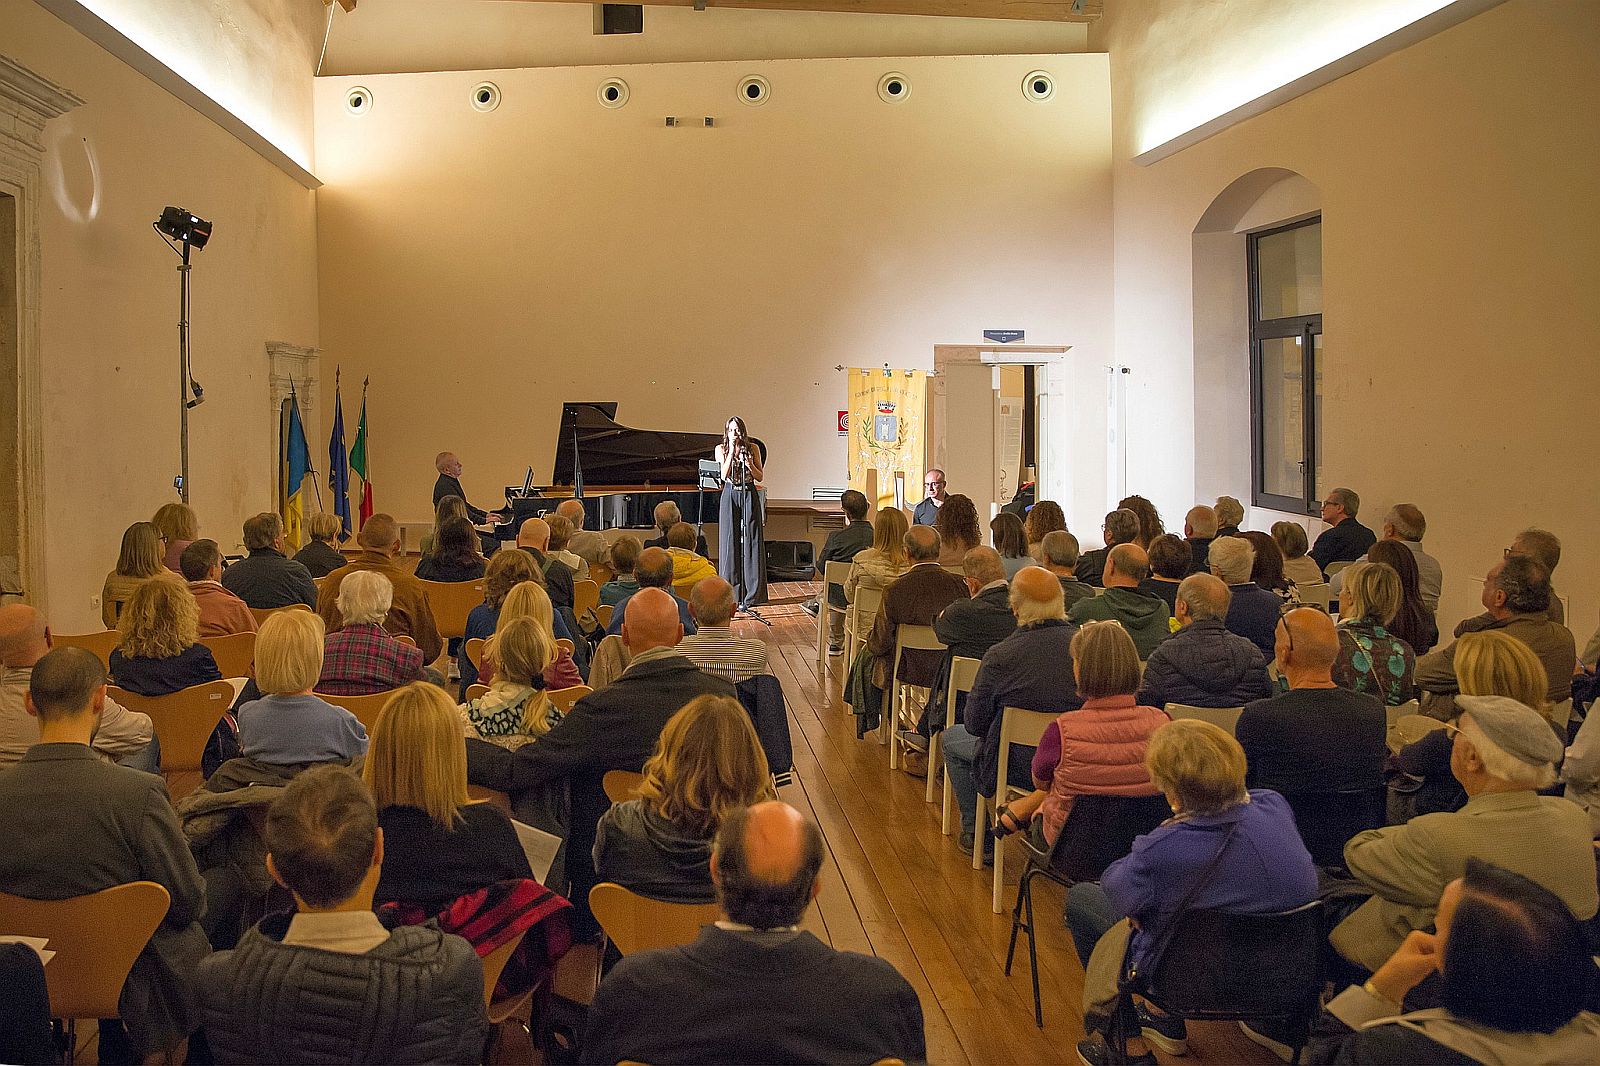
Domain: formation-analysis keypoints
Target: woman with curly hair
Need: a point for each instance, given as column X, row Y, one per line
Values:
column 160, row 651
column 1044, row 517
column 1150, row 526
column 529, row 600
column 958, row 529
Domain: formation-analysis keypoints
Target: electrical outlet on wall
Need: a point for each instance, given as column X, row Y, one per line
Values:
column 94, row 603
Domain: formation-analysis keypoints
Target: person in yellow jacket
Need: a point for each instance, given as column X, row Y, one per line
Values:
column 688, row 569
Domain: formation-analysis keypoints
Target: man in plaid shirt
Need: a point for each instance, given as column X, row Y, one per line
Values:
column 362, row 658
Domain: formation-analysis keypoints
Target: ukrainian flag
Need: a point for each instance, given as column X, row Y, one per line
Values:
column 298, row 457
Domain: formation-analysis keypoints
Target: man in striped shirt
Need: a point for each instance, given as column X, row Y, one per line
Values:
column 713, row 647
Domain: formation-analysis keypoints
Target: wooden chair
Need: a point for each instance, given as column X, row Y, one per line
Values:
column 263, row 613
column 1400, row 710
column 365, row 708
column 621, row 785
column 564, row 698
column 565, row 645
column 475, row 652
column 833, row 575
column 600, row 573
column 407, row 639
column 1017, row 726
column 494, row 965
column 96, row 938
column 183, row 721
column 1333, row 568
column 451, row 602
column 102, row 644
column 602, row 615
column 921, row 638
column 235, row 653
column 858, row 622
column 1410, row 729
column 477, row 692
column 1226, row 717
column 635, row 923
column 1316, row 595
column 1561, row 713
column 489, row 795
column 963, row 671
column 585, row 597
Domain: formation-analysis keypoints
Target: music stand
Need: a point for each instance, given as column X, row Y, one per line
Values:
column 710, row 472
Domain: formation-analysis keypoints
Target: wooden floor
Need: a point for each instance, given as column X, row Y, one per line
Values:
column 895, row 887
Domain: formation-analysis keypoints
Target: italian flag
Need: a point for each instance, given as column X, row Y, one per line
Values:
column 358, row 460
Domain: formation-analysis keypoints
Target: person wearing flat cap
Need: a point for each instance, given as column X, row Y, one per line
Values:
column 1503, row 753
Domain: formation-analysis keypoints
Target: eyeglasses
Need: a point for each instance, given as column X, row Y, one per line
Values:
column 1329, row 503
column 1452, row 730
column 934, row 484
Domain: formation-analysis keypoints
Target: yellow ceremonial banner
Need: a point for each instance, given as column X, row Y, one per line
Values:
column 888, row 430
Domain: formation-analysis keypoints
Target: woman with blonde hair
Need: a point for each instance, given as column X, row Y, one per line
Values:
column 137, row 562
column 529, row 600
column 506, row 570
column 1371, row 659
column 320, row 556
column 516, row 710
column 289, row 724
column 179, row 528
column 1044, row 517
column 707, row 763
column 1290, row 537
column 438, row 844
column 160, row 651
column 878, row 566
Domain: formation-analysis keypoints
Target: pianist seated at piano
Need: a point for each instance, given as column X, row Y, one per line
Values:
column 623, row 557
column 653, row 571
column 534, row 538
column 449, row 484
column 668, row 515
column 561, row 531
column 688, row 569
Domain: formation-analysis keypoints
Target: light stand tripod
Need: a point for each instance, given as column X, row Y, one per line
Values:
column 190, row 232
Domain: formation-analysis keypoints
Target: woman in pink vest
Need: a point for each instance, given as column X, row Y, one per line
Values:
column 1097, row 749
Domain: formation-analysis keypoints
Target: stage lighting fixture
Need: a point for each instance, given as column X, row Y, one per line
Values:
column 181, row 226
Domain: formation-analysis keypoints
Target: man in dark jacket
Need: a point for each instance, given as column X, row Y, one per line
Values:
column 970, row 627
column 1199, row 529
column 613, row 729
column 756, row 988
column 449, row 484
column 1347, row 540
column 1060, row 556
column 268, row 578
column 915, row 599
column 329, row 982
column 1121, row 527
column 842, row 546
column 1144, row 616
column 533, row 537
column 1253, row 611
column 1204, row 665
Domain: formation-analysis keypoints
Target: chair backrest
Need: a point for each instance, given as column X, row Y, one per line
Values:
column 1101, row 829
column 603, row 613
column 477, row 692
column 183, row 720
column 405, row 638
column 235, row 653
column 585, row 596
column 915, row 638
column 491, row 796
column 963, row 672
column 102, row 644
column 600, row 573
column 565, row 645
column 96, row 939
column 635, row 923
column 1334, row 568
column 365, row 708
column 833, row 573
column 451, row 602
column 1318, row 594
column 263, row 613
column 621, row 785
column 1413, row 727
column 1561, row 713
column 564, row 698
column 475, row 652
column 1398, row 711
column 1226, row 717
column 869, row 599
column 494, row 964
column 1018, row 725
column 1327, row 820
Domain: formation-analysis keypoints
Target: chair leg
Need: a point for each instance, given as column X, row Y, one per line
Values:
column 1016, row 921
column 944, row 814
column 980, row 826
column 933, row 765
column 999, row 867
column 891, row 724
column 822, row 637
column 1033, row 959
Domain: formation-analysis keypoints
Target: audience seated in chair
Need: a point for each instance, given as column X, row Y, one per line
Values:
column 653, row 571
column 969, row 627
column 1230, row 512
column 319, row 556
column 1503, row 753
column 623, row 556
column 1145, row 617
column 1042, row 519
column 138, row 562
column 1010, row 540
column 666, row 516
column 957, row 526
column 1094, row 750
column 516, row 710
column 1199, row 529
column 76, row 824
column 1058, row 553
column 1371, row 658
column 1544, row 548
column 1253, row 611
column 1169, row 565
column 1516, row 592
column 309, row 984
column 1404, row 525
column 362, row 658
column 688, row 569
column 160, row 651
column 409, row 612
column 221, row 612
column 528, row 600
column 1516, row 983
column 1290, row 537
column 707, row 763
column 1202, row 664
column 179, row 527
column 880, row 565
column 1119, row 527
column 842, row 546
column 506, row 570
column 1032, row 669
column 561, row 531
column 1150, row 527
column 533, row 537
column 289, row 725
column 120, row 736
column 455, row 555
column 1225, row 849
column 587, row 544
column 1414, row 622
column 1266, row 569
column 1346, row 540
column 756, row 988
column 267, row 578
column 713, row 646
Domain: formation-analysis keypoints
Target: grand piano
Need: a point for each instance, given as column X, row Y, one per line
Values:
column 620, row 473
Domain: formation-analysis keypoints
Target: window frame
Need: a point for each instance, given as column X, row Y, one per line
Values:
column 1309, row 329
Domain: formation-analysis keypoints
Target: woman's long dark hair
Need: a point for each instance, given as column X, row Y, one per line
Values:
column 457, row 544
column 958, row 522
column 1267, row 570
column 1009, row 539
column 1414, row 623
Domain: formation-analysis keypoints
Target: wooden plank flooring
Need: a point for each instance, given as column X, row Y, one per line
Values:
column 895, row 887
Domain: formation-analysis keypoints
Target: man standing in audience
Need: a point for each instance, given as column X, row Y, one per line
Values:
column 1504, row 753
column 221, row 612
column 615, row 728
column 842, row 546
column 561, row 531
column 1199, row 529
column 667, row 515
column 927, row 511
column 714, row 648
column 1145, row 617
column 449, row 484
column 653, row 571
column 267, row 578
column 361, row 658
column 587, row 544
column 1516, row 597
column 1347, row 540
column 328, row 981
column 1202, row 664
column 1120, row 527
column 533, row 537
column 1543, row 548
column 410, row 614
column 1253, row 611
column 915, row 599
column 122, row 736
column 76, row 824
column 756, row 987
column 1032, row 668
column 1059, row 552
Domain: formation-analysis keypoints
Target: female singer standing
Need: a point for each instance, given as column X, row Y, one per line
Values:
column 741, row 525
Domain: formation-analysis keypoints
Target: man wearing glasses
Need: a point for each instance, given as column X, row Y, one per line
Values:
column 1348, row 540
column 928, row 510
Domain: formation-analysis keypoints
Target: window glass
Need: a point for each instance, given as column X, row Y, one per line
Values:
column 1282, row 427
column 1289, row 272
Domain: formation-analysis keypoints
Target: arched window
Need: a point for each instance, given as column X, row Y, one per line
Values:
column 1285, row 271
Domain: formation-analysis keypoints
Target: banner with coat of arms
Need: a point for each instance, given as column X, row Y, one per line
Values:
column 887, row 430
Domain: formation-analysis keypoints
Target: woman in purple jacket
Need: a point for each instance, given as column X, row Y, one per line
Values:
column 1244, row 845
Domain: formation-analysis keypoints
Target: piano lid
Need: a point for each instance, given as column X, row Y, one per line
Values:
column 614, row 454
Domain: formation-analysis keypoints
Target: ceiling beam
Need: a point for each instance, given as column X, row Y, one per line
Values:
column 1025, row 10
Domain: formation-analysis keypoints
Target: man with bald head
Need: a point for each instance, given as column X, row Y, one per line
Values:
column 1202, row 664
column 755, row 987
column 449, row 484
column 615, row 728
column 969, row 628
column 1199, row 529
column 410, row 613
column 1144, row 616
column 533, row 537
column 713, row 647
column 1031, row 668
column 587, row 544
column 122, row 736
column 1316, row 738
column 654, row 570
